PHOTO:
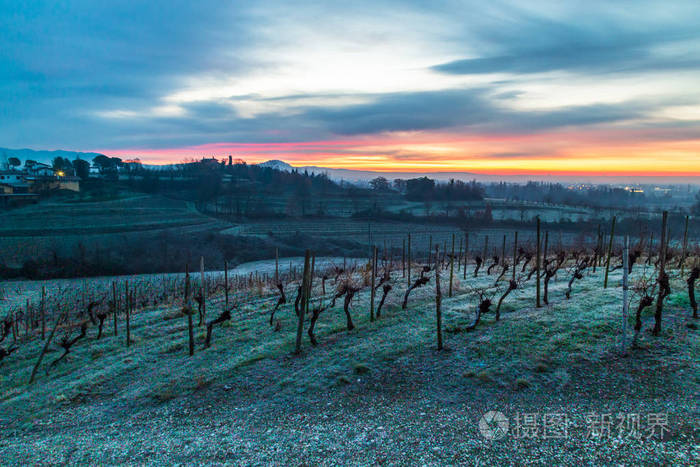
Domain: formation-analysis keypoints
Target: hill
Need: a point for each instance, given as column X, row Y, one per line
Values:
column 373, row 394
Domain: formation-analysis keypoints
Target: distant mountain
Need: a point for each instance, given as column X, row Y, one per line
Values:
column 354, row 176
column 277, row 165
column 45, row 156
column 364, row 176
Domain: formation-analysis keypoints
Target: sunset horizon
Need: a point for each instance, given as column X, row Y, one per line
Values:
column 368, row 232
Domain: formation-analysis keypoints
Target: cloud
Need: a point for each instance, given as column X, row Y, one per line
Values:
column 600, row 40
column 168, row 74
column 464, row 108
column 407, row 112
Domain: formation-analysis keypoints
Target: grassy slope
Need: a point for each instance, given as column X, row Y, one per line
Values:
column 375, row 393
column 34, row 231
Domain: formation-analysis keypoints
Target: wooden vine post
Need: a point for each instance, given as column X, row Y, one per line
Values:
column 625, row 291
column 596, row 252
column 438, row 302
column 311, row 282
column 372, row 292
column 486, row 250
column 27, row 319
column 43, row 312
column 466, row 254
column 116, row 307
column 226, row 280
column 459, row 256
column 127, row 303
column 369, row 237
column 662, row 276
column 403, row 259
column 187, row 309
column 430, row 249
column 503, row 252
column 46, row 345
column 537, row 265
column 409, row 260
column 610, row 247
column 277, row 266
column 202, row 291
column 515, row 253
column 685, row 246
column 452, row 265
column 304, row 296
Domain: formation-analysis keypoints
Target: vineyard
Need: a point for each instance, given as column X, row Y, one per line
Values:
column 449, row 317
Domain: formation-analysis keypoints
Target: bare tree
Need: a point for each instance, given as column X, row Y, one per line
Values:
column 663, row 280
column 315, row 313
column 694, row 275
column 478, row 260
column 527, row 255
column 512, row 285
column 495, row 260
column 281, row 301
column 550, row 270
column 420, row 282
column 386, row 288
column 6, row 329
column 483, row 308
column 6, row 352
column 224, row 316
column 438, row 298
column 644, row 287
column 504, row 270
column 349, row 294
column 66, row 343
column 577, row 273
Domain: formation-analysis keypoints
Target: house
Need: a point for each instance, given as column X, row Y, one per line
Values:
column 35, row 178
column 11, row 177
column 41, row 170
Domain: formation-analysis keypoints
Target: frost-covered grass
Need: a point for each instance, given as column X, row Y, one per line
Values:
column 379, row 393
column 527, row 344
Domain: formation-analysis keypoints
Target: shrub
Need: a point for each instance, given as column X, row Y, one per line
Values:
column 343, row 380
column 361, row 368
column 485, row 375
column 202, row 382
column 522, row 383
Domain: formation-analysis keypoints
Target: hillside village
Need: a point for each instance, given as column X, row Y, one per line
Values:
column 21, row 186
column 23, row 183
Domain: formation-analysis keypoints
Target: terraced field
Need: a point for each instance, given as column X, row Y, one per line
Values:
column 123, row 215
column 38, row 230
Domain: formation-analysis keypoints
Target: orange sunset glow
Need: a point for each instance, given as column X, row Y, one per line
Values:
column 566, row 154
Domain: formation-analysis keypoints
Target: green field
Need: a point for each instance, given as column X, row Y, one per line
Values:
column 52, row 226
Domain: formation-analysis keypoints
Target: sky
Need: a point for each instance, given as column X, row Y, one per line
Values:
column 511, row 87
